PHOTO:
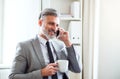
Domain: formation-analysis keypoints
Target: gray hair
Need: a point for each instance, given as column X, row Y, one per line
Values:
column 49, row 11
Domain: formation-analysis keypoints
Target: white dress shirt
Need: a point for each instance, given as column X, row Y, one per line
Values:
column 45, row 53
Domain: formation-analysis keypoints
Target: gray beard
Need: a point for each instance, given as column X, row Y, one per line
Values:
column 48, row 36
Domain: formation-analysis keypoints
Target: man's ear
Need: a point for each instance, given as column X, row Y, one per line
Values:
column 40, row 22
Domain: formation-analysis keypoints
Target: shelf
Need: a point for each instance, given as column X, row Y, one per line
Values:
column 70, row 18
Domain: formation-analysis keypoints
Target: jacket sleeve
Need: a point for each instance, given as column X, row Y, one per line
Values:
column 74, row 58
column 18, row 70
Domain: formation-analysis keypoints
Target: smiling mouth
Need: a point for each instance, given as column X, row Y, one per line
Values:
column 52, row 31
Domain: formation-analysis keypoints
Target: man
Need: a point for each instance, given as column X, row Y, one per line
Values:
column 33, row 60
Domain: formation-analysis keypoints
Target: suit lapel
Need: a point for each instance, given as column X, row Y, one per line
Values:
column 61, row 54
column 37, row 48
column 56, row 49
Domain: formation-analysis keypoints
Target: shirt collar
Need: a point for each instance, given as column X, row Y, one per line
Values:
column 42, row 40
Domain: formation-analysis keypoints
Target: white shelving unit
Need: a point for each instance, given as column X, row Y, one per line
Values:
column 64, row 8
column 70, row 19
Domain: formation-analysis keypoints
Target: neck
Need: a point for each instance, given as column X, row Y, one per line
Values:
column 43, row 36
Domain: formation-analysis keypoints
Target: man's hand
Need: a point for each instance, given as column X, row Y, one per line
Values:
column 64, row 36
column 50, row 69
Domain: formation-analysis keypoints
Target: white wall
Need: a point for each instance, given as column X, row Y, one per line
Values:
column 20, row 24
column 1, row 13
column 101, row 35
column 109, row 40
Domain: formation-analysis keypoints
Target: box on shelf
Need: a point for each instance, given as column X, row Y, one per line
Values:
column 75, row 9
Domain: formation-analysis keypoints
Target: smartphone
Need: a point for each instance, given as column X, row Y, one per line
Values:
column 57, row 33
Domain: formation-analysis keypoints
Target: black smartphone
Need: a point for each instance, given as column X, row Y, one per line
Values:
column 57, row 33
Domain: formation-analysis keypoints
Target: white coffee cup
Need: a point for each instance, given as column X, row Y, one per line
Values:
column 62, row 65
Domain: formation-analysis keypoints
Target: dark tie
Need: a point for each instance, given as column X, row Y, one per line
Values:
column 51, row 59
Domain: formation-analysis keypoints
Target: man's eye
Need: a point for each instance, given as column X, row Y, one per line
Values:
column 51, row 23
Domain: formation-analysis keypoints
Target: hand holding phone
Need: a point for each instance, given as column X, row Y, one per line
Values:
column 63, row 35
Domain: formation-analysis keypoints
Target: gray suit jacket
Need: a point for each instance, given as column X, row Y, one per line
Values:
column 29, row 59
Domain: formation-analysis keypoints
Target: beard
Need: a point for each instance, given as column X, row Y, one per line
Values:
column 46, row 33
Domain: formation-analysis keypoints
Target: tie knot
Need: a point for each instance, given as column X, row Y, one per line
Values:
column 47, row 43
